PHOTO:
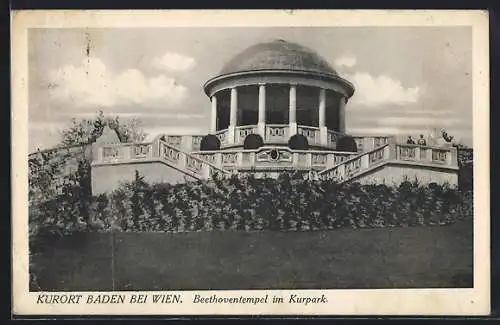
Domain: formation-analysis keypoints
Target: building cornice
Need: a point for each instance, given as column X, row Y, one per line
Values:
column 293, row 75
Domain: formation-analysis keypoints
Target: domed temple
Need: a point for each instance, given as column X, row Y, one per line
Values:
column 275, row 107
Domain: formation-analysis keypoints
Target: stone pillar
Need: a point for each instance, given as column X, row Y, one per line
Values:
column 261, row 125
column 292, row 110
column 454, row 157
column 213, row 120
column 234, row 107
column 323, row 132
column 233, row 116
column 341, row 117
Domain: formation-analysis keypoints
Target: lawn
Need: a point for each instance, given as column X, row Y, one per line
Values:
column 414, row 257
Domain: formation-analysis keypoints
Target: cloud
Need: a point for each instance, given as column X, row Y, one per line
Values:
column 379, row 90
column 420, row 121
column 346, row 61
column 44, row 135
column 155, row 115
column 171, row 61
column 92, row 84
column 384, row 130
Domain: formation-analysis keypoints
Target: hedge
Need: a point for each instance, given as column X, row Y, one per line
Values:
column 245, row 203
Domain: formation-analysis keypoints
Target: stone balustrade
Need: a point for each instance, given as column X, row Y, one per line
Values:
column 424, row 154
column 332, row 165
column 273, row 133
column 283, row 158
column 402, row 153
column 367, row 143
column 124, row 153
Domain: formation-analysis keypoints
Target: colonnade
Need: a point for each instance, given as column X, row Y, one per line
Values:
column 292, row 117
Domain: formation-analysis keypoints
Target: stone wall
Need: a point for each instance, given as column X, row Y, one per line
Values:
column 394, row 174
column 106, row 178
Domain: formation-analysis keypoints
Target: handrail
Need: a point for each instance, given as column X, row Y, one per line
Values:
column 208, row 152
column 203, row 161
column 326, row 170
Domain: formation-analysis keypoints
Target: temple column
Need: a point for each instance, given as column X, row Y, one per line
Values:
column 213, row 118
column 342, row 103
column 233, row 114
column 323, row 132
column 261, row 125
column 292, row 112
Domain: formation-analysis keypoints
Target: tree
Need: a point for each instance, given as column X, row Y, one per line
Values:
column 84, row 131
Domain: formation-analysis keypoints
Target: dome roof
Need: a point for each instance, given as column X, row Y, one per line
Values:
column 278, row 55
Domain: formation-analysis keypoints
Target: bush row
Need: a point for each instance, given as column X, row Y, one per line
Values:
column 245, row 203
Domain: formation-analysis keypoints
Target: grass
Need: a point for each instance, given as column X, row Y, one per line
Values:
column 416, row 257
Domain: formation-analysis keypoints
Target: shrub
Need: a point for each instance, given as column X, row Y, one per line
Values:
column 298, row 142
column 253, row 141
column 210, row 142
column 347, row 144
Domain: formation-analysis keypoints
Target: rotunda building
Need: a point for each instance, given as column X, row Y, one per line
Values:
column 276, row 107
column 277, row 90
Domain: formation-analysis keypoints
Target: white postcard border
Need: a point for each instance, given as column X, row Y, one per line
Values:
column 340, row 302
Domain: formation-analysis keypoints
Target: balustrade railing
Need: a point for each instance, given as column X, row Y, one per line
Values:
column 301, row 159
column 367, row 143
column 433, row 155
column 332, row 138
column 195, row 142
column 222, row 135
column 440, row 156
column 354, row 165
column 276, row 133
column 319, row 159
column 331, row 164
column 376, row 155
column 243, row 131
column 128, row 151
column 174, row 140
column 311, row 133
column 198, row 167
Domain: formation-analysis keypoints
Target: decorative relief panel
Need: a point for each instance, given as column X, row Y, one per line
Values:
column 319, row 159
column 140, row 151
column 111, row 153
column 174, row 140
column 275, row 155
column 229, row 158
column 407, row 153
column 439, row 155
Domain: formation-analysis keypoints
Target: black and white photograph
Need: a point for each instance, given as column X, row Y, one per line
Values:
column 289, row 161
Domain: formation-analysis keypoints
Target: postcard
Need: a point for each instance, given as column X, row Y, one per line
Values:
column 250, row 162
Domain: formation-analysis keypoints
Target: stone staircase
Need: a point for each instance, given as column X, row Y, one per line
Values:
column 387, row 161
column 356, row 166
column 188, row 164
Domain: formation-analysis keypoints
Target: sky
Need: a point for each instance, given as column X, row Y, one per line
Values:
column 408, row 80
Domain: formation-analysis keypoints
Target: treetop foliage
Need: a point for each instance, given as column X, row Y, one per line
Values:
column 85, row 131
